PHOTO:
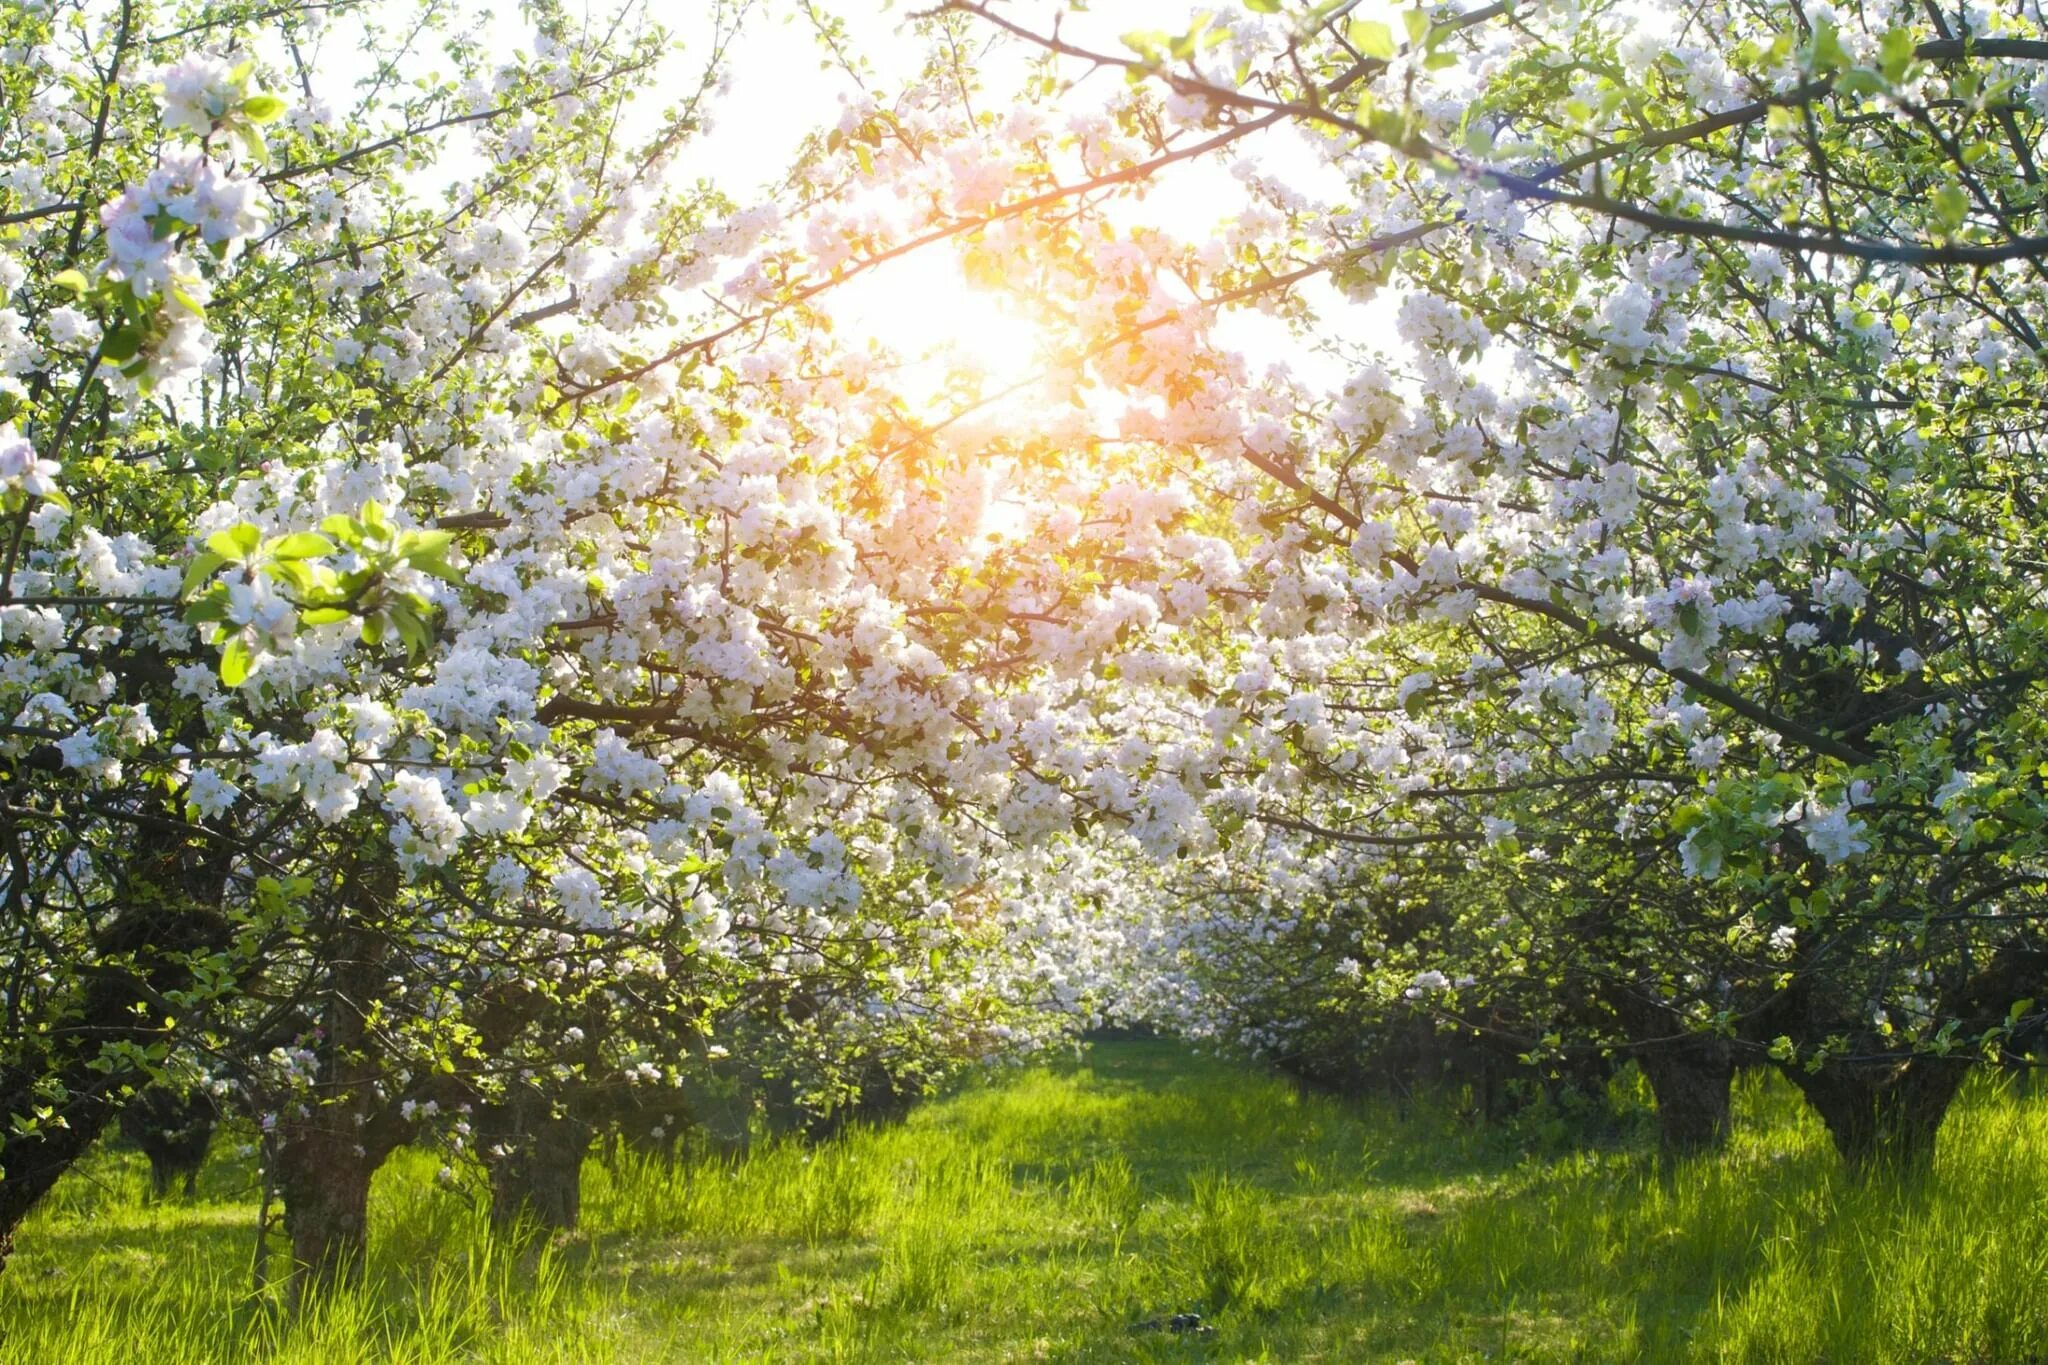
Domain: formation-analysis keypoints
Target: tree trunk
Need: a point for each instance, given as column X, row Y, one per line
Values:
column 1690, row 1078
column 171, row 896
column 1885, row 1114
column 1690, row 1073
column 1884, row 1118
column 333, row 1140
column 173, row 1127
column 324, row 1175
column 30, row 1163
column 539, row 1177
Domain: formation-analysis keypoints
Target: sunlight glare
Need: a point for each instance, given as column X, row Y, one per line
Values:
column 923, row 308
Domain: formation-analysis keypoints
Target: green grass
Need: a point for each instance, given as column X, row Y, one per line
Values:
column 1041, row 1216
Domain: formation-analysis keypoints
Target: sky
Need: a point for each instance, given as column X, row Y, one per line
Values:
column 781, row 88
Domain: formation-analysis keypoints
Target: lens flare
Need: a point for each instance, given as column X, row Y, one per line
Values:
column 952, row 337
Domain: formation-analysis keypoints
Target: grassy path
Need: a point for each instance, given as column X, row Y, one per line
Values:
column 1042, row 1215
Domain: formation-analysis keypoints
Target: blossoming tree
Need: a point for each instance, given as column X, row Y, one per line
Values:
column 454, row 565
column 1691, row 507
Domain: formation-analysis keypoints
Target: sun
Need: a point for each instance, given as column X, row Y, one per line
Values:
column 954, row 338
column 961, row 350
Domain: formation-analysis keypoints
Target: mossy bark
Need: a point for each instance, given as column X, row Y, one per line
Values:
column 171, row 891
column 331, row 1141
column 1884, row 1118
column 537, row 1176
column 1690, row 1078
column 324, row 1176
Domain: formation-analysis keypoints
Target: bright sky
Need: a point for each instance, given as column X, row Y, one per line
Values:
column 782, row 87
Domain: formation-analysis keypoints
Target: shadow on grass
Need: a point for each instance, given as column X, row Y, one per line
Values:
column 1167, row 1111
column 1045, row 1214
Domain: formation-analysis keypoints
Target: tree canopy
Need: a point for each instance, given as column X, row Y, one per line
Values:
column 1544, row 543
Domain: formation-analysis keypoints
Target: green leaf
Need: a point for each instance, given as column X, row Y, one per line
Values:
column 199, row 570
column 121, row 345
column 74, row 280
column 1263, row 6
column 262, row 108
column 1950, row 204
column 323, row 616
column 1417, row 24
column 301, row 545
column 235, row 544
column 1389, row 126
column 294, row 573
column 1827, row 53
column 412, row 630
column 1372, row 38
column 1895, row 53
column 343, row 528
column 441, row 569
column 417, row 545
column 206, row 610
column 236, row 661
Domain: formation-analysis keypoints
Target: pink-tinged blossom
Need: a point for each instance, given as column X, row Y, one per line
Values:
column 198, row 91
